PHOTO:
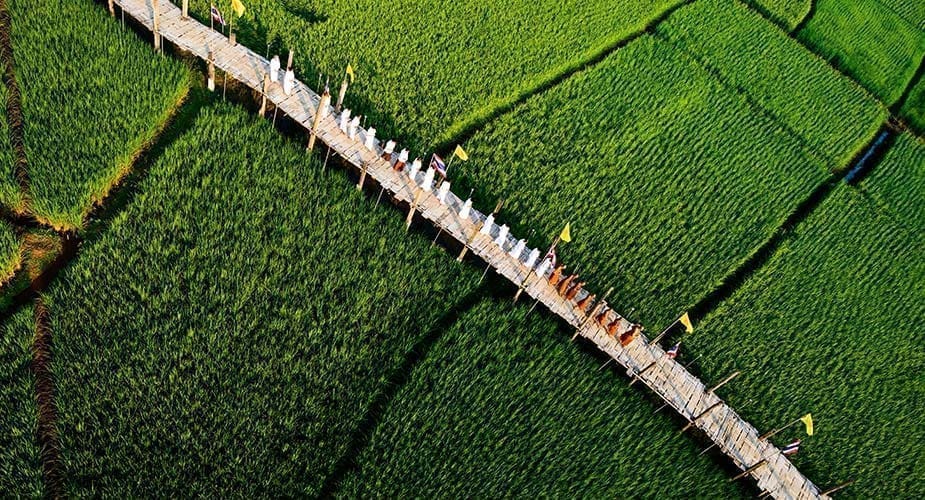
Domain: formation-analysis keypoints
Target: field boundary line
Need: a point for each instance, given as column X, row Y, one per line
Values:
column 397, row 378
column 807, row 148
column 461, row 132
column 511, row 258
column 47, row 431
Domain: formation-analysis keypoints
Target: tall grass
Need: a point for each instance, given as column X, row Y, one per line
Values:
column 11, row 252
column 867, row 41
column 226, row 334
column 506, row 406
column 20, row 465
column 669, row 180
column 834, row 115
column 92, row 94
column 786, row 13
column 832, row 325
column 11, row 196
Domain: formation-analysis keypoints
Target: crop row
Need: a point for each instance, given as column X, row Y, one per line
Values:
column 831, row 325
column 92, row 94
column 11, row 252
column 428, row 69
column 20, row 469
column 669, row 179
column 898, row 183
column 229, row 330
column 505, row 406
column 867, row 41
column 786, row 13
column 834, row 115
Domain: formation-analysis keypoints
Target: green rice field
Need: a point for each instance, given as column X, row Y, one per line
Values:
column 505, row 405
column 829, row 326
column 663, row 200
column 237, row 319
column 254, row 304
column 869, row 42
column 116, row 99
column 20, row 469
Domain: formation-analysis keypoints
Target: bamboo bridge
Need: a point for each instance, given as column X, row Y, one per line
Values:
column 775, row 475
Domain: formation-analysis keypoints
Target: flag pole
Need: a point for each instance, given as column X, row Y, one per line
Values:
column 769, row 434
column 211, row 17
column 665, row 331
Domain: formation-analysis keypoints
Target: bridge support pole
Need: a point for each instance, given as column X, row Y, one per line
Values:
column 112, row 8
column 263, row 99
column 724, row 381
column 210, row 83
column 698, row 417
column 465, row 249
column 750, row 470
column 155, row 25
column 186, row 9
column 323, row 103
column 636, row 377
column 362, row 177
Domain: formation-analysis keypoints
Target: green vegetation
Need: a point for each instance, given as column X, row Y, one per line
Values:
column 786, row 13
column 237, row 317
column 868, row 42
column 898, row 183
column 20, row 467
column 11, row 252
column 833, row 115
column 505, row 405
column 832, row 325
column 913, row 109
column 669, row 180
column 92, row 96
column 427, row 69
column 910, row 10
column 10, row 193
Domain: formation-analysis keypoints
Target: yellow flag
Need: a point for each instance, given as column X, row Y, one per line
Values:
column 566, row 234
column 237, row 7
column 350, row 72
column 808, row 420
column 461, row 153
column 686, row 321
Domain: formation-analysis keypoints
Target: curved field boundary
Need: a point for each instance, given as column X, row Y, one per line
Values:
column 681, row 390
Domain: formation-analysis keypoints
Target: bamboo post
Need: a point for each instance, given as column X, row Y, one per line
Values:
column 636, row 377
column 322, row 104
column 414, row 205
column 263, row 98
column 186, row 9
column 462, row 253
column 724, row 381
column 838, row 488
column 155, row 26
column 289, row 61
column 112, row 8
column 210, row 83
column 340, row 95
column 362, row 177
column 698, row 417
column 749, row 470
column 769, row 434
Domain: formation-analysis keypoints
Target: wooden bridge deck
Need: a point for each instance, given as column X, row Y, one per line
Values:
column 684, row 392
